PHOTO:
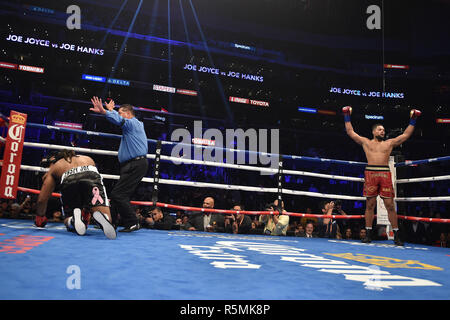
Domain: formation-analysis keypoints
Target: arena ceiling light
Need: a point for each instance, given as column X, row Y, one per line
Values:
column 307, row 110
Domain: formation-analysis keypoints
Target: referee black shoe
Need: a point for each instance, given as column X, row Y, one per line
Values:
column 131, row 228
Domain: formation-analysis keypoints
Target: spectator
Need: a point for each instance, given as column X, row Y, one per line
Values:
column 415, row 232
column 237, row 223
column 180, row 214
column 276, row 224
column 253, row 227
column 228, row 222
column 292, row 226
column 342, row 223
column 309, row 230
column 15, row 210
column 362, row 233
column 299, row 231
column 185, row 219
column 328, row 228
column 242, row 223
column 348, row 234
column 156, row 219
column 258, row 225
column 211, row 222
column 57, row 217
column 442, row 242
column 139, row 215
column 4, row 205
column 27, row 209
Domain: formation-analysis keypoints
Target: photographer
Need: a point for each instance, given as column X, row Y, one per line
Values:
column 328, row 227
column 342, row 223
column 275, row 224
column 154, row 218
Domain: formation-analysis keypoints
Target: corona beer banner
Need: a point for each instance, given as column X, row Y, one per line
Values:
column 12, row 157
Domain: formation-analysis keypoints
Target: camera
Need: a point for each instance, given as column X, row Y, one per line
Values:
column 146, row 213
column 337, row 207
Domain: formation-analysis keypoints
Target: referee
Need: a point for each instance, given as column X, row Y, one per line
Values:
column 132, row 157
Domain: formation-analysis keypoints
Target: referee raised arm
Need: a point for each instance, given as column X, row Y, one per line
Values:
column 132, row 157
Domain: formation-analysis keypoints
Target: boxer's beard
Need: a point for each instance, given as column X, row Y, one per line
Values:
column 379, row 138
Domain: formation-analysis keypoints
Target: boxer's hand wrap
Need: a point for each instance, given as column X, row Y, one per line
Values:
column 347, row 111
column 40, row 221
column 414, row 114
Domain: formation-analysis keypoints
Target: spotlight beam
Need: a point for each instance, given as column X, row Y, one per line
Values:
column 219, row 84
column 124, row 42
column 194, row 73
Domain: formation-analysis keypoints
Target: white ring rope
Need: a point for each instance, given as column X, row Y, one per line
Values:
column 442, row 198
column 243, row 167
column 437, row 178
column 177, row 160
column 220, row 186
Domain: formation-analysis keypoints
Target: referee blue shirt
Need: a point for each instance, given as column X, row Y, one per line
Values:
column 134, row 140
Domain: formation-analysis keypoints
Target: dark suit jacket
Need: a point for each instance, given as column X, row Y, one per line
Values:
column 196, row 221
column 418, row 236
column 327, row 230
column 243, row 228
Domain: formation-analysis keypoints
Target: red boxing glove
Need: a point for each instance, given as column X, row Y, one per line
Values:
column 414, row 114
column 40, row 221
column 347, row 111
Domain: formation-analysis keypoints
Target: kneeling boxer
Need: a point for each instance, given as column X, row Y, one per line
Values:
column 81, row 189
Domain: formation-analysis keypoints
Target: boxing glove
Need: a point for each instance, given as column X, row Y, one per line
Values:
column 347, row 111
column 414, row 114
column 40, row 221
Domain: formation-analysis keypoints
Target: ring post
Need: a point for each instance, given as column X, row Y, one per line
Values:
column 156, row 172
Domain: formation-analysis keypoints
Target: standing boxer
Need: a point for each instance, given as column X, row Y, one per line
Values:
column 377, row 177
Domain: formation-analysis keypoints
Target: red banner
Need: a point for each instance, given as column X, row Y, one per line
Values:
column 8, row 65
column 12, row 157
column 396, row 66
column 239, row 100
column 187, row 92
column 31, row 68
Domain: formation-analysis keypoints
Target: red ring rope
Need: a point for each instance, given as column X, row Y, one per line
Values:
column 307, row 215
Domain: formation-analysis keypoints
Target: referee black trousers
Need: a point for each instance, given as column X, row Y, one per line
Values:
column 131, row 174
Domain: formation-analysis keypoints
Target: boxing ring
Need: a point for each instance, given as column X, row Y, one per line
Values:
column 50, row 263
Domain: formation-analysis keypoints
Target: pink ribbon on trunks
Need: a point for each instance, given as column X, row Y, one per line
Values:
column 97, row 196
